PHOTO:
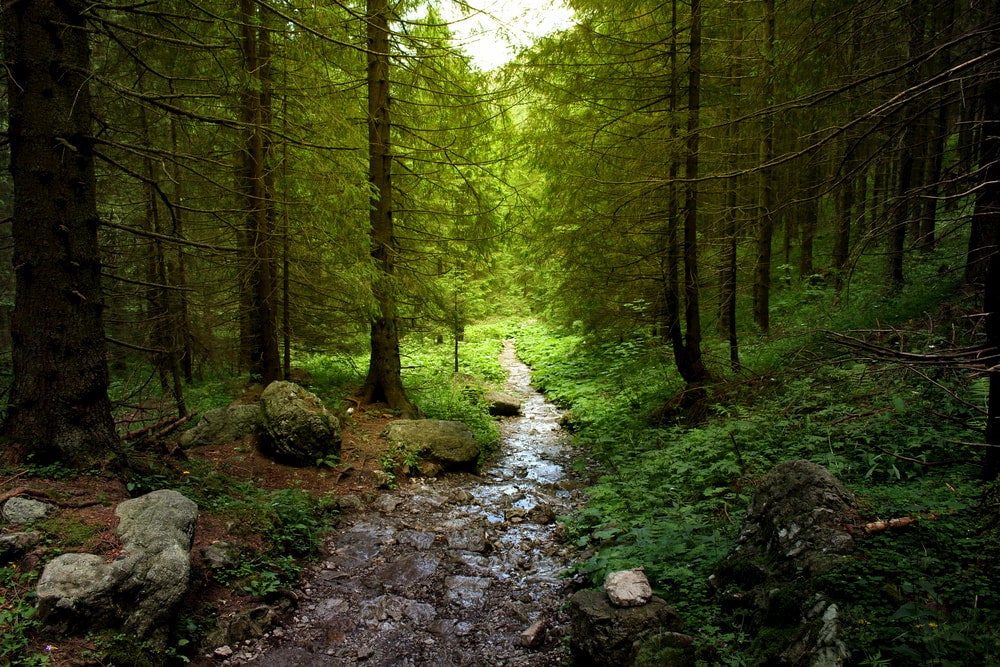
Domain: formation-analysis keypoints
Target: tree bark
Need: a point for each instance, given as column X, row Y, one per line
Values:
column 987, row 216
column 384, row 382
column 688, row 357
column 765, row 230
column 260, row 321
column 59, row 408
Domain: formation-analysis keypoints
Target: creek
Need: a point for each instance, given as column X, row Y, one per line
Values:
column 459, row 570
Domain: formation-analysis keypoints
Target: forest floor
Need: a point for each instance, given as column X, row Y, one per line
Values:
column 434, row 571
column 85, row 520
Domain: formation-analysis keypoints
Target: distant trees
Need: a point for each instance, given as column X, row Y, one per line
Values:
column 837, row 128
column 227, row 216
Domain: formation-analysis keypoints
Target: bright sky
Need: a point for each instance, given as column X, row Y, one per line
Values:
column 503, row 27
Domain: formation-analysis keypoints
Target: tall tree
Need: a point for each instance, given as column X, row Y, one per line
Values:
column 690, row 363
column 59, row 408
column 384, row 380
column 257, row 241
column 765, row 228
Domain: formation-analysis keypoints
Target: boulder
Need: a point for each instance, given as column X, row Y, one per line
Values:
column 794, row 531
column 298, row 429
column 450, row 444
column 20, row 511
column 796, row 521
column 139, row 592
column 503, row 404
column 607, row 636
column 223, row 425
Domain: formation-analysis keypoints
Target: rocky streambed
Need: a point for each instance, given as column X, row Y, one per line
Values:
column 459, row 570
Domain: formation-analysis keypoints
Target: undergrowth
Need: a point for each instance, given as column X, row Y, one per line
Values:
column 671, row 497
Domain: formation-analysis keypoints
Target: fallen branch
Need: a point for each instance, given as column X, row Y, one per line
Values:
column 138, row 433
column 901, row 522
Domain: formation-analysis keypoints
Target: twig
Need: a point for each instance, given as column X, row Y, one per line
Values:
column 913, row 460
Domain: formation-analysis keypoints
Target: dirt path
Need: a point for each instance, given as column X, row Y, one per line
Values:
column 461, row 570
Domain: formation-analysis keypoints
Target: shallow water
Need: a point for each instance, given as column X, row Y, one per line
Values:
column 447, row 571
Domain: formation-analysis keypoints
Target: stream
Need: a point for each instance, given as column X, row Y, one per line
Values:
column 460, row 570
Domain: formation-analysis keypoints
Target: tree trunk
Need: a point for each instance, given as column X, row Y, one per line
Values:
column 688, row 357
column 765, row 231
column 843, row 212
column 384, row 382
column 987, row 217
column 260, row 319
column 59, row 408
column 810, row 216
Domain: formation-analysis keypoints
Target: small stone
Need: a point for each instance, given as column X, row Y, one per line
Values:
column 628, row 588
column 350, row 503
column 365, row 652
column 383, row 480
column 15, row 545
column 223, row 652
column 219, row 555
column 20, row 511
column 534, row 635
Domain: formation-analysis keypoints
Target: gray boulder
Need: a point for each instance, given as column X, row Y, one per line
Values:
column 604, row 635
column 450, row 444
column 796, row 521
column 223, row 425
column 20, row 511
column 794, row 530
column 139, row 592
column 298, row 429
column 502, row 404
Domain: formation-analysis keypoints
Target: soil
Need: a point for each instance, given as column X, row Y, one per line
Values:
column 462, row 569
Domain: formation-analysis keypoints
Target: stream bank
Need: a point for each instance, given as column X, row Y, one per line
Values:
column 459, row 570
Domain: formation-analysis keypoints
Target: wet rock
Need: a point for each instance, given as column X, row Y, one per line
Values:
column 20, row 511
column 408, row 570
column 464, row 590
column 223, row 425
column 350, row 503
column 607, row 636
column 502, row 404
column 298, row 429
column 534, row 635
column 468, row 539
column 628, row 588
column 448, row 443
column 387, row 502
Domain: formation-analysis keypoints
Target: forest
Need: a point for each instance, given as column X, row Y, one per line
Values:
column 723, row 233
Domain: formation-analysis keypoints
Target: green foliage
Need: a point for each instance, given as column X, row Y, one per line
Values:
column 671, row 496
column 17, row 617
